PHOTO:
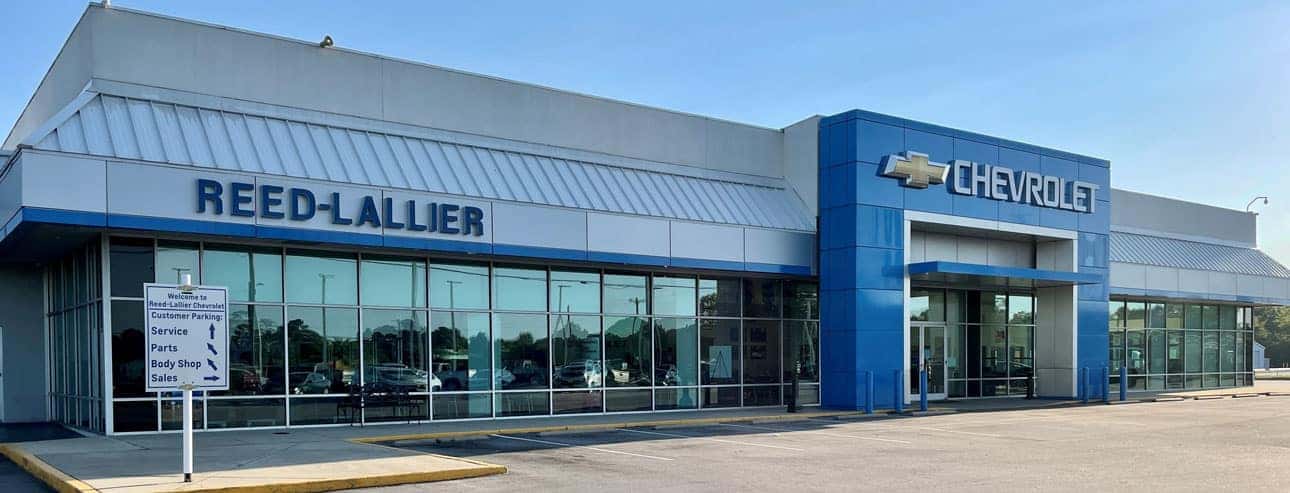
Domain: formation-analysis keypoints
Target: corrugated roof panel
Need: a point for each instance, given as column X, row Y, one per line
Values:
column 1182, row 254
column 140, row 129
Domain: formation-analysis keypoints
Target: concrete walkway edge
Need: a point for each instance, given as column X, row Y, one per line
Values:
column 50, row 475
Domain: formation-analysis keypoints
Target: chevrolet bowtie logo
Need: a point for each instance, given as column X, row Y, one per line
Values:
column 914, row 167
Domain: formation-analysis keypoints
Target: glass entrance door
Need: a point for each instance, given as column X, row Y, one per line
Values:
column 927, row 350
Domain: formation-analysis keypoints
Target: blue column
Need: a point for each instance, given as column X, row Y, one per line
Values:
column 1124, row 383
column 1106, row 385
column 900, row 391
column 922, row 389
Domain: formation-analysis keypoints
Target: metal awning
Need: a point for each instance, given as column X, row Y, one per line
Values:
column 989, row 276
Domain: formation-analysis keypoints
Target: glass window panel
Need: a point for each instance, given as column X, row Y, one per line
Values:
column 521, row 351
column 802, row 350
column 460, row 346
column 1021, row 309
column 172, row 414
column 134, row 415
column 1136, row 315
column 1227, row 317
column 1174, row 348
column 463, row 406
column 674, row 295
column 459, row 286
column 1136, row 342
column 575, row 292
column 991, row 388
column 174, row 259
column 993, row 308
column 1021, row 351
column 994, row 350
column 320, row 410
column 1242, row 357
column 323, row 278
column 761, row 351
column 1156, row 383
column 1193, row 318
column 1211, row 380
column 127, row 349
column 719, row 348
column 1227, row 343
column 763, row 395
column 1209, row 317
column 394, row 350
column 393, row 281
column 673, row 398
column 1155, row 315
column 131, row 266
column 519, row 289
column 628, row 400
column 1192, row 352
column 1194, row 381
column 720, row 397
column 625, row 294
column 255, row 352
column 676, row 352
column 719, row 297
column 322, row 348
column 575, row 352
column 1174, row 316
column 522, row 404
column 1211, row 351
column 954, row 361
column 249, row 274
column 956, row 306
column 577, row 402
column 1117, row 351
column 628, row 352
column 802, row 300
column 1156, row 351
column 927, row 305
column 245, row 413
column 761, row 298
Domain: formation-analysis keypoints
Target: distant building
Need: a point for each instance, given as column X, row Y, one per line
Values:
column 1261, row 362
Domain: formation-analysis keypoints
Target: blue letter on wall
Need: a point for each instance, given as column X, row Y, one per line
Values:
column 269, row 199
column 210, row 191
column 241, row 195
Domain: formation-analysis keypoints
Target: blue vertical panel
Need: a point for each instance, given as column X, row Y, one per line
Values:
column 1099, row 220
column 940, row 149
column 838, row 185
column 879, row 227
column 1097, row 175
column 1094, row 250
column 838, row 144
column 1094, row 292
column 1093, row 339
column 875, row 141
column 879, row 268
column 1018, row 160
column 880, row 340
column 871, row 188
column 976, row 206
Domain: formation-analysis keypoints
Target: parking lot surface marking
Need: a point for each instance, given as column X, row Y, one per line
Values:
column 711, row 439
column 817, row 432
column 573, row 445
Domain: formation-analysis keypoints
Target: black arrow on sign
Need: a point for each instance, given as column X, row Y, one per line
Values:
column 212, row 348
column 212, row 363
column 211, row 379
column 212, row 331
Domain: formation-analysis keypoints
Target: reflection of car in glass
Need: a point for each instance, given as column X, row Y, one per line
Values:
column 400, row 377
column 309, row 383
column 471, row 379
column 526, row 373
column 584, row 373
column 245, row 379
column 665, row 375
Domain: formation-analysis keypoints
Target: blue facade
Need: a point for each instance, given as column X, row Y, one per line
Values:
column 862, row 235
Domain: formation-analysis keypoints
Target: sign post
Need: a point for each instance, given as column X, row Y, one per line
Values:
column 187, row 345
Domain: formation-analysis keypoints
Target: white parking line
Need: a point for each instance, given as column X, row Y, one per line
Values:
column 959, row 432
column 736, row 442
column 817, row 432
column 598, row 449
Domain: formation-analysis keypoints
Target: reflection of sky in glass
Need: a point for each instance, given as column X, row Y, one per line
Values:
column 318, row 279
column 519, row 289
column 674, row 295
column 575, row 292
column 393, row 282
column 625, row 294
column 459, row 286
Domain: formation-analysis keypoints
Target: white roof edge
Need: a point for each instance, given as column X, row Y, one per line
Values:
column 429, row 65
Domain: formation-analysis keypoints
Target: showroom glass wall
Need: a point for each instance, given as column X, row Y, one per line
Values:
column 989, row 338
column 73, row 306
column 1181, row 345
column 462, row 339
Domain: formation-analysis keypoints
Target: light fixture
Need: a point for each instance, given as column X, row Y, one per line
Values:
column 1256, row 199
column 326, row 42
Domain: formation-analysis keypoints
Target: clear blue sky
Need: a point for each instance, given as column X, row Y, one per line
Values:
column 1187, row 99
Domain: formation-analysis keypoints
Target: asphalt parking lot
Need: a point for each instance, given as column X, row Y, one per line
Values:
column 1226, row 444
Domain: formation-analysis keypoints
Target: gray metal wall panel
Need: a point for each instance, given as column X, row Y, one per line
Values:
column 1162, row 278
column 1169, row 252
column 1148, row 212
column 707, row 241
column 630, row 235
column 778, row 247
column 1129, row 276
column 1192, row 281
column 134, row 189
column 21, row 314
column 539, row 226
column 45, row 183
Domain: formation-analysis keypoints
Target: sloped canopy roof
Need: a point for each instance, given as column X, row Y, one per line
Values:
column 129, row 128
column 1182, row 254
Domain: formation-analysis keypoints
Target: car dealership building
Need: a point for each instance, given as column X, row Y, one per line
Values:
column 489, row 248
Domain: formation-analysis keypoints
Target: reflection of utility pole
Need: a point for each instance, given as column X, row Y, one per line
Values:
column 179, row 273
column 452, row 317
column 326, row 340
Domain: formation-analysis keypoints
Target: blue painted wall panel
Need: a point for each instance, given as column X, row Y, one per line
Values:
column 1094, row 250
column 1098, row 221
column 875, row 141
column 871, row 188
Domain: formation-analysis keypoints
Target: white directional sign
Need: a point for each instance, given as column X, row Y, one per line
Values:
column 187, row 338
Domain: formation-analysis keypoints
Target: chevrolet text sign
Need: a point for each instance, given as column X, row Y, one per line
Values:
column 993, row 182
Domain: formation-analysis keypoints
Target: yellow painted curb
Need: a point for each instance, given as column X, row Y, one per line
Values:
column 50, row 475
column 595, row 426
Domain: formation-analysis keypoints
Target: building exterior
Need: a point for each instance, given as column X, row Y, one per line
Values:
column 498, row 249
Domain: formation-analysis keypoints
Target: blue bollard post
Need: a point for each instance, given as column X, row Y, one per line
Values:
column 868, row 392
column 1106, row 385
column 1124, row 383
column 1083, row 395
column 900, row 391
column 922, row 390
